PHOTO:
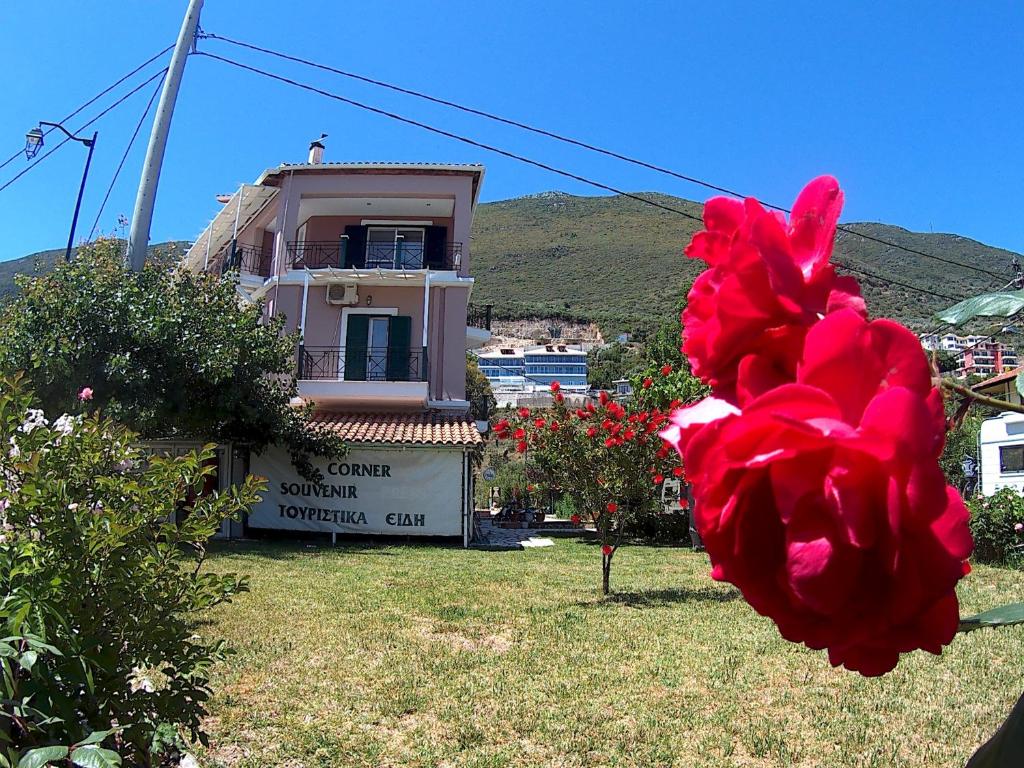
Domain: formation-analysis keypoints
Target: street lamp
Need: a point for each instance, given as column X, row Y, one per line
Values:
column 34, row 142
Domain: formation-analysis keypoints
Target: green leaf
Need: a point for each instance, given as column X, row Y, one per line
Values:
column 1006, row 747
column 1001, row 304
column 95, row 737
column 92, row 756
column 37, row 758
column 28, row 660
column 1003, row 616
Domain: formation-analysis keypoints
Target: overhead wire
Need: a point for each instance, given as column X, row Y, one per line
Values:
column 521, row 158
column 94, row 99
column 82, row 127
column 124, row 157
column 578, row 143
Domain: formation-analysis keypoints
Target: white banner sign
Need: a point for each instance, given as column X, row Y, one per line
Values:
column 412, row 492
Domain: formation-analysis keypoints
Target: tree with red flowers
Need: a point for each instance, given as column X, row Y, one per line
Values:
column 605, row 457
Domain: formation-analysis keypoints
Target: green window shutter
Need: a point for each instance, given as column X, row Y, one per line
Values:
column 355, row 347
column 399, row 338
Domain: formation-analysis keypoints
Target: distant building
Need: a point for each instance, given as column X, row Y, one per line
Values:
column 516, row 373
column 623, row 389
column 975, row 355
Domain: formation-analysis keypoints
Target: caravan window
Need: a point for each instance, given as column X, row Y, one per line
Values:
column 1011, row 458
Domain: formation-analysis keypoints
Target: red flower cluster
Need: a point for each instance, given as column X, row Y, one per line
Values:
column 815, row 461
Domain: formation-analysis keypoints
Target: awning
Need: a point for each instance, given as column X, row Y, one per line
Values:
column 246, row 203
column 418, row 428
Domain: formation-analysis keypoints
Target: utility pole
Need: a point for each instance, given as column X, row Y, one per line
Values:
column 142, row 217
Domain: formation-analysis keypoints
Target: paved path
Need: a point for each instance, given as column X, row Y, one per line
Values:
column 509, row 538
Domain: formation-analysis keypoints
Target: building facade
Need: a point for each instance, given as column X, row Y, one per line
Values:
column 370, row 264
column 519, row 375
column 975, row 355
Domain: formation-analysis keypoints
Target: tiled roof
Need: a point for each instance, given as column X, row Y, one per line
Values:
column 1012, row 374
column 418, row 428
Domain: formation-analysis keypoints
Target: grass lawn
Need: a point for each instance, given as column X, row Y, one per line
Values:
column 433, row 656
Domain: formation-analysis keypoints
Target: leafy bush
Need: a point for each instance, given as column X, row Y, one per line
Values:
column 993, row 521
column 100, row 589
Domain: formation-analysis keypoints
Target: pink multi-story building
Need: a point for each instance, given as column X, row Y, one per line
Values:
column 370, row 264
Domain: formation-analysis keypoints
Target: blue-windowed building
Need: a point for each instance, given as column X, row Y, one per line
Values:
column 515, row 369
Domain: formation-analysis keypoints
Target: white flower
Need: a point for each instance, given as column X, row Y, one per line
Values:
column 35, row 419
column 65, row 424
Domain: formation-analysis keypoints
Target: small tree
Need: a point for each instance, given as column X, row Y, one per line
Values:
column 169, row 353
column 608, row 460
column 101, row 587
column 478, row 391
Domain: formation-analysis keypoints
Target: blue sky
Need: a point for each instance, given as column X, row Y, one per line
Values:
column 916, row 107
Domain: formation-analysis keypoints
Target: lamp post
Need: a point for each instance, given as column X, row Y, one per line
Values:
column 34, row 142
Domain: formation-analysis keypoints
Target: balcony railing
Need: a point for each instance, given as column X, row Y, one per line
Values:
column 479, row 316
column 362, row 363
column 247, row 258
column 401, row 255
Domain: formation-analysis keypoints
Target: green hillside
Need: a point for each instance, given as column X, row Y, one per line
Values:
column 619, row 262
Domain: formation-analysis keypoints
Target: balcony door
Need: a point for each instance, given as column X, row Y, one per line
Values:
column 395, row 247
column 377, row 348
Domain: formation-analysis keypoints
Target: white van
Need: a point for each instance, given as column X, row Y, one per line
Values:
column 1001, row 450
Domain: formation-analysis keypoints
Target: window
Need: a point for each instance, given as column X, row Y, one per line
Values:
column 394, row 247
column 377, row 348
column 1011, row 458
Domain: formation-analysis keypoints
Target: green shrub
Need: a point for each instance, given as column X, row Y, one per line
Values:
column 993, row 521
column 101, row 587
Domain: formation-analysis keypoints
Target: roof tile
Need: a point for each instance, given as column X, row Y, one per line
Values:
column 417, row 428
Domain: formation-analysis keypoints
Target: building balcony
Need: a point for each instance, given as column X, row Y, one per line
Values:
column 247, row 259
column 478, row 326
column 337, row 254
column 363, row 376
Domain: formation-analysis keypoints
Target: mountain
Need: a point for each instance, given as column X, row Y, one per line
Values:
column 618, row 262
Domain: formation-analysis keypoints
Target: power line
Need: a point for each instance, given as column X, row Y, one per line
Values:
column 520, row 158
column 124, row 157
column 121, row 100
column 448, row 134
column 95, row 98
column 577, row 143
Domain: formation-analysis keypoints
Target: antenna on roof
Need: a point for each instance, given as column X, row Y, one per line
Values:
column 316, row 150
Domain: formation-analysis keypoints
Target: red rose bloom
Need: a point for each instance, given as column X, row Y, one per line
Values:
column 612, row 507
column 659, row 479
column 666, row 369
column 519, row 434
column 555, row 386
column 538, row 423
column 554, row 426
column 823, row 500
column 559, row 397
column 603, row 397
column 591, row 431
column 524, row 413
column 767, row 283
column 606, row 550
column 648, row 383
column 574, row 519
column 521, row 446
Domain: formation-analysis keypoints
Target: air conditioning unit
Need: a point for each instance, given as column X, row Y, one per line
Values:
column 342, row 294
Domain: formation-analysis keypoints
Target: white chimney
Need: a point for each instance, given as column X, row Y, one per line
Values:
column 316, row 150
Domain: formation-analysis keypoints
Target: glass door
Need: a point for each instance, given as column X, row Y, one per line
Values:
column 377, row 349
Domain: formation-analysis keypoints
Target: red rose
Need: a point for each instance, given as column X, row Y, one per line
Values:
column 580, row 413
column 559, row 397
column 666, row 369
column 574, row 519
column 767, row 283
column 629, row 434
column 606, row 550
column 603, row 397
column 648, row 383
column 501, row 426
column 591, row 407
column 823, row 500
column 609, row 442
column 612, row 507
column 519, row 434
column 538, row 423
column 521, row 446
column 555, row 386
column 524, row 413
column 677, row 471
column 591, row 431
column 554, row 426
column 659, row 479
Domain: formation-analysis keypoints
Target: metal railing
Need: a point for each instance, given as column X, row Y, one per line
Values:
column 316, row 254
column 246, row 258
column 362, row 364
column 479, row 316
